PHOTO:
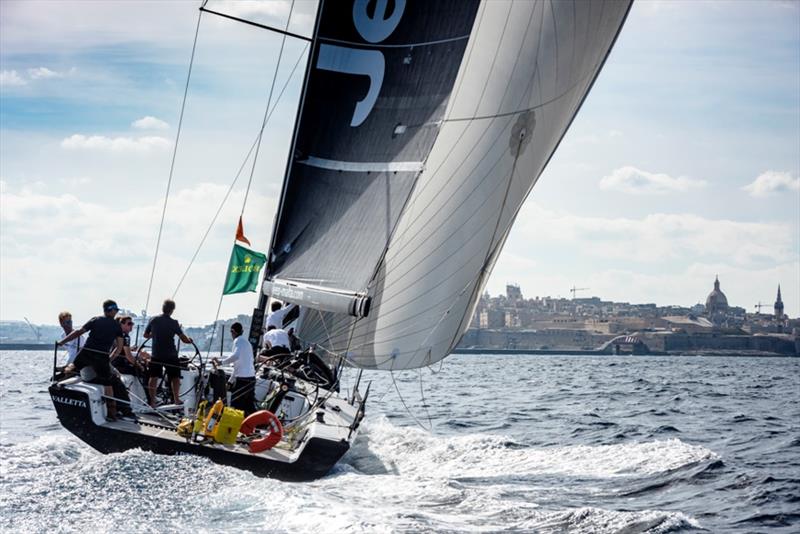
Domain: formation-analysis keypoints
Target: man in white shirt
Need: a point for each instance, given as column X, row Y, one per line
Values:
column 276, row 341
column 278, row 314
column 243, row 395
column 74, row 346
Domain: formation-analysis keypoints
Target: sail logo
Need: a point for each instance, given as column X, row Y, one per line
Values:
column 287, row 293
column 374, row 27
column 68, row 401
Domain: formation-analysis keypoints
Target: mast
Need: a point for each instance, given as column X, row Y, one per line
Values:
column 258, row 311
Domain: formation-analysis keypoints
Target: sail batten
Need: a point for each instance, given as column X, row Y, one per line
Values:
column 363, row 166
column 413, row 187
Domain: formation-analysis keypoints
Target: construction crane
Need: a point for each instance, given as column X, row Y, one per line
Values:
column 35, row 330
column 759, row 306
column 574, row 290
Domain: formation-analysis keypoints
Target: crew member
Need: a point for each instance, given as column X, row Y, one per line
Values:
column 276, row 341
column 124, row 361
column 163, row 329
column 73, row 347
column 104, row 332
column 278, row 314
column 243, row 395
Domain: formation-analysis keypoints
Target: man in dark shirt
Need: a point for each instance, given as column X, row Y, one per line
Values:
column 163, row 329
column 104, row 333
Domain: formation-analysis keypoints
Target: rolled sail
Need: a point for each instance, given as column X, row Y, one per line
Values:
column 424, row 127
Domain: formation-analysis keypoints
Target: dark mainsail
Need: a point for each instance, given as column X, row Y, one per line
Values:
column 377, row 91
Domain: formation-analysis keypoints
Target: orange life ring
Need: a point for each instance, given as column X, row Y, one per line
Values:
column 262, row 418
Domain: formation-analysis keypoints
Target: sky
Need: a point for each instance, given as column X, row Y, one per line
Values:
column 683, row 163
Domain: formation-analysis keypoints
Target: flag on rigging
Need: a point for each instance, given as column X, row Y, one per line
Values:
column 240, row 232
column 244, row 270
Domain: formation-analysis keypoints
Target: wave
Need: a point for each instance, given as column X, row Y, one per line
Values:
column 591, row 520
column 411, row 451
column 394, row 479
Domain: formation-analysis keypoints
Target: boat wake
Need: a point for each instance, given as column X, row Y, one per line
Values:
column 413, row 452
column 394, row 478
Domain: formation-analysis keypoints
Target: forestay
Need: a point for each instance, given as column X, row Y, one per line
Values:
column 423, row 128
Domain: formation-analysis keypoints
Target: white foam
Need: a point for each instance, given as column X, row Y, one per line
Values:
column 412, row 451
column 394, row 479
column 596, row 520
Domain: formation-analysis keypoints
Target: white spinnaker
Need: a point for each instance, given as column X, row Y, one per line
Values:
column 525, row 73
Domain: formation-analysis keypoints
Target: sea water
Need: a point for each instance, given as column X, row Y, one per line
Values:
column 485, row 443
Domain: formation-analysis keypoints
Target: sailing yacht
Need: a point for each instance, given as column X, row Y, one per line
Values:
column 422, row 128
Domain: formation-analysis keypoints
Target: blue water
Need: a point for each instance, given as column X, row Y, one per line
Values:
column 515, row 443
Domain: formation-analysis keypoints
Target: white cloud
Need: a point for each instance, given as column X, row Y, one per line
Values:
column 660, row 236
column 273, row 12
column 149, row 123
column 105, row 250
column 11, row 78
column 41, row 73
column 116, row 144
column 638, row 182
column 772, row 182
column 662, row 258
column 76, row 181
column 244, row 8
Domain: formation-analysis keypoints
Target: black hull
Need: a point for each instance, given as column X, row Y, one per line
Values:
column 318, row 457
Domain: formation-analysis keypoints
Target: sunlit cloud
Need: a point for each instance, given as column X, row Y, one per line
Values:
column 76, row 181
column 42, row 73
column 116, row 144
column 661, row 236
column 10, row 78
column 149, row 123
column 244, row 8
column 771, row 183
column 668, row 258
column 105, row 250
column 638, row 182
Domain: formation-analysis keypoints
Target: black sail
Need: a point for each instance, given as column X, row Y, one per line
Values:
column 377, row 91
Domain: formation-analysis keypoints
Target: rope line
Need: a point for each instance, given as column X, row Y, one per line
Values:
column 267, row 114
column 266, row 110
column 172, row 164
column 408, row 411
column 238, row 173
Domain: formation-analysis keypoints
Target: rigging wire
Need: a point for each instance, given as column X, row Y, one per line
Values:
column 238, row 173
column 266, row 111
column 172, row 164
column 408, row 410
column 255, row 157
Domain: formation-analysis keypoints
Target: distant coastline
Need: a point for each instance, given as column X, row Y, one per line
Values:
column 521, row 352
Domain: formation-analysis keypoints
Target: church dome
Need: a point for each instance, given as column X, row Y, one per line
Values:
column 716, row 301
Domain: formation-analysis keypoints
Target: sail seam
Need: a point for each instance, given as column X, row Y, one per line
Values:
column 402, row 45
column 524, row 110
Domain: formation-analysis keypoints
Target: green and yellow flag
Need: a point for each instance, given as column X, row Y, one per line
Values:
column 244, row 270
